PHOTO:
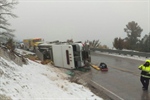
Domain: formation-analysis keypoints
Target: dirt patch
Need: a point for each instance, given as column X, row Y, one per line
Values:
column 1, row 72
column 99, row 92
column 4, row 97
column 84, row 79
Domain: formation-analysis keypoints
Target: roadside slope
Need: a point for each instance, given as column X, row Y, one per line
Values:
column 36, row 81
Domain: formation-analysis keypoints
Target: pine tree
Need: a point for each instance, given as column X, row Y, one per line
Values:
column 133, row 31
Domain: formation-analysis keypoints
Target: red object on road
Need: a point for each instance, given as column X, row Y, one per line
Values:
column 103, row 67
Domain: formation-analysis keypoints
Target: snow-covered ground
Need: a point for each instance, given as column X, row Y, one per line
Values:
column 39, row 82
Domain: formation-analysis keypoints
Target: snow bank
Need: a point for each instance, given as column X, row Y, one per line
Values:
column 39, row 82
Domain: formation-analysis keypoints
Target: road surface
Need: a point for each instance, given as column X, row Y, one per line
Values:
column 122, row 79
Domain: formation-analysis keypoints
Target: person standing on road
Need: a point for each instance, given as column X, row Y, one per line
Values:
column 145, row 74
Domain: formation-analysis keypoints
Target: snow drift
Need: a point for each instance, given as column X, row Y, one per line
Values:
column 39, row 82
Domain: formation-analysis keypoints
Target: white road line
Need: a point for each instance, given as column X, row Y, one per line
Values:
column 108, row 90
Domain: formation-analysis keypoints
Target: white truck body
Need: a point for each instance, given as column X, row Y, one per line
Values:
column 64, row 55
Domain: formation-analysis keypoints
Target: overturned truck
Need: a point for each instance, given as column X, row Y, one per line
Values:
column 66, row 55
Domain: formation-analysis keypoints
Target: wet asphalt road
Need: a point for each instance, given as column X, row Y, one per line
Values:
column 122, row 78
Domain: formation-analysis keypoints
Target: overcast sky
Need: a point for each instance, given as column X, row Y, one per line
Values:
column 79, row 20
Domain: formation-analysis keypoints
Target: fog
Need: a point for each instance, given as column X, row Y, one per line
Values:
column 79, row 20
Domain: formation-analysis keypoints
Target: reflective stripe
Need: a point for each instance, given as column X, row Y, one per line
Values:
column 145, row 76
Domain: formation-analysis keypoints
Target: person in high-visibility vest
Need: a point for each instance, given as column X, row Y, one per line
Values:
column 145, row 74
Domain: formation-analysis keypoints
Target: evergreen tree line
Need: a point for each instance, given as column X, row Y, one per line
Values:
column 133, row 41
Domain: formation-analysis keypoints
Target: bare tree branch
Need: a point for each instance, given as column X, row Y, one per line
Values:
column 10, row 14
column 7, row 29
column 5, row 11
column 4, row 22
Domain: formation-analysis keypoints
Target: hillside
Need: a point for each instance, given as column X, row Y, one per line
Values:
column 36, row 81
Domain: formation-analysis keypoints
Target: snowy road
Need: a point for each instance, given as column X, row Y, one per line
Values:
column 122, row 79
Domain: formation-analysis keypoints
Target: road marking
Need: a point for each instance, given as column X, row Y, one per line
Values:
column 108, row 90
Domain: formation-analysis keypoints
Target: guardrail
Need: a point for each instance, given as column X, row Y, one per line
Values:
column 131, row 53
